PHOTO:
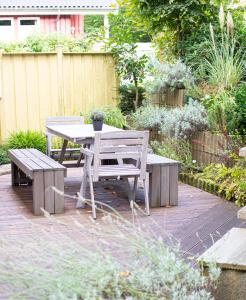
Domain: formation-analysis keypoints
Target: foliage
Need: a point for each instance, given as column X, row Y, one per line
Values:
column 114, row 117
column 111, row 116
column 97, row 115
column 127, row 96
column 48, row 43
column 227, row 111
column 177, row 149
column 180, row 17
column 224, row 66
column 165, row 76
column 198, row 45
column 92, row 23
column 27, row 139
column 129, row 65
column 181, row 122
column 3, row 155
column 231, row 181
column 124, row 28
column 121, row 261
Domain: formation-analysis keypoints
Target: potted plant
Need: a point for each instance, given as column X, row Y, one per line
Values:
column 97, row 118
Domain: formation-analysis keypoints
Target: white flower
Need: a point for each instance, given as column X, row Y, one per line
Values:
column 193, row 161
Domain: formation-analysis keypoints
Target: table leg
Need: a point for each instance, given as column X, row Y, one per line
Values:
column 64, row 147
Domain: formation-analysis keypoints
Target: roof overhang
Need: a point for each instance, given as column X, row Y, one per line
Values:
column 56, row 11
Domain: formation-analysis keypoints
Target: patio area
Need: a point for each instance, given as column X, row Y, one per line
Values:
column 197, row 222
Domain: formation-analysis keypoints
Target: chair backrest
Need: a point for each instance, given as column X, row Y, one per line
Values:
column 68, row 120
column 64, row 120
column 121, row 145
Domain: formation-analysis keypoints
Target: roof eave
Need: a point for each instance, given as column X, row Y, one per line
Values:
column 55, row 11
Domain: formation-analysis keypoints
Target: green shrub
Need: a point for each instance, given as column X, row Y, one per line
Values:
column 128, row 96
column 3, row 155
column 176, row 149
column 27, row 139
column 231, row 181
column 165, row 76
column 112, row 116
column 48, row 43
column 181, row 122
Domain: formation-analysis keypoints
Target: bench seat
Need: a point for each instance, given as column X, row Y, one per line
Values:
column 30, row 166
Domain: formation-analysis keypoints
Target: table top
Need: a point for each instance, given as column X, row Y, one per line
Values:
column 228, row 252
column 77, row 133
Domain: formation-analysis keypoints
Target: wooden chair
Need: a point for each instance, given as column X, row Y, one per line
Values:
column 120, row 146
column 73, row 120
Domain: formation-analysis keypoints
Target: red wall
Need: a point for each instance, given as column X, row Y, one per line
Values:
column 69, row 24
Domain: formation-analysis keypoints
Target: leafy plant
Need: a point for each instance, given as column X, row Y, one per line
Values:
column 181, row 122
column 177, row 149
column 128, row 95
column 231, row 181
column 48, row 43
column 224, row 66
column 165, row 76
column 114, row 117
column 129, row 65
column 92, row 23
column 97, row 115
column 27, row 139
column 111, row 116
column 3, row 155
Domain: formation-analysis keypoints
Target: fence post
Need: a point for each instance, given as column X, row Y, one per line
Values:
column 60, row 79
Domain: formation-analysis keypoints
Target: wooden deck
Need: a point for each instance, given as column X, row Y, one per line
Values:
column 198, row 220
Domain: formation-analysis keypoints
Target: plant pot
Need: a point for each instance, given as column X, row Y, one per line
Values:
column 97, row 125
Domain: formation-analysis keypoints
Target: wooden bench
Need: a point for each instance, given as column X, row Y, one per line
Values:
column 230, row 255
column 163, row 180
column 30, row 166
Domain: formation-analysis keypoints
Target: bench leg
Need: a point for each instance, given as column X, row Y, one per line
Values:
column 14, row 174
column 49, row 198
column 59, row 197
column 38, row 193
column 174, row 170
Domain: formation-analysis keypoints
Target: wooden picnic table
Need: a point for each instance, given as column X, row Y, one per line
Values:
column 77, row 134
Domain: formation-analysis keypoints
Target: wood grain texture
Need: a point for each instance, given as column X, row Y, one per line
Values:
column 52, row 84
column 228, row 252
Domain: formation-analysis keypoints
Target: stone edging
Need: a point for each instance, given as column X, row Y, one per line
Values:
column 5, row 169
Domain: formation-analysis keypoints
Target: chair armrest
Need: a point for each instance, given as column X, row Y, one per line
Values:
column 87, row 152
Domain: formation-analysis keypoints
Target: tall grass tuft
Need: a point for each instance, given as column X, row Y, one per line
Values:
column 225, row 63
column 109, row 259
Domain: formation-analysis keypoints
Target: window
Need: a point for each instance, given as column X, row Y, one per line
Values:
column 28, row 22
column 5, row 22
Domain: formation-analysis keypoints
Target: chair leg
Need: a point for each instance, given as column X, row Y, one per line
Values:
column 135, row 187
column 93, row 206
column 146, row 193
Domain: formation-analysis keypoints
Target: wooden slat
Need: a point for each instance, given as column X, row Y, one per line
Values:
column 127, row 134
column 49, row 199
column 59, row 198
column 116, row 142
column 165, row 185
column 119, row 155
column 125, row 149
column 155, row 197
column 173, row 177
column 153, row 159
column 38, row 193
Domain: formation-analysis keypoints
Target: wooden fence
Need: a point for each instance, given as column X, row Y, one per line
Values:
column 34, row 86
column 171, row 98
column 206, row 147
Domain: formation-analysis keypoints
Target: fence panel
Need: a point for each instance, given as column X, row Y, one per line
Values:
column 34, row 86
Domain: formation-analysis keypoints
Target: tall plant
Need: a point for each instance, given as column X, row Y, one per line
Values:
column 225, row 63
